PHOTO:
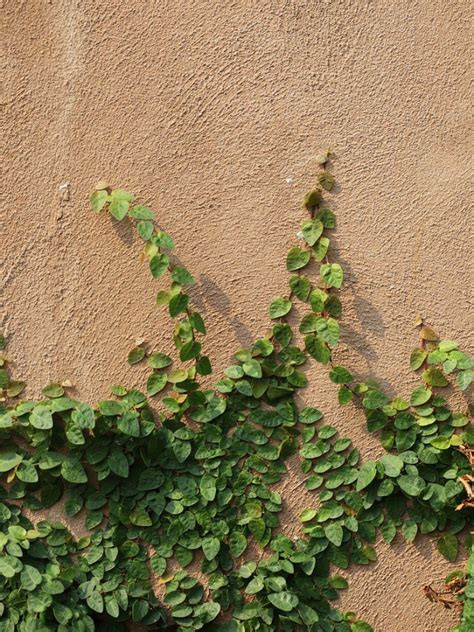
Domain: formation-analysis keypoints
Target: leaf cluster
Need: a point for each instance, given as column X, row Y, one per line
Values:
column 195, row 482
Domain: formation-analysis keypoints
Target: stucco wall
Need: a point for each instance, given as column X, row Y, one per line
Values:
column 213, row 112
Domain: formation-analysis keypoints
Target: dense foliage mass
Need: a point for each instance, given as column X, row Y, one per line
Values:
column 196, row 482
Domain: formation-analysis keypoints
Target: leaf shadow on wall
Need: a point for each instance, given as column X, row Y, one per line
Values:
column 211, row 294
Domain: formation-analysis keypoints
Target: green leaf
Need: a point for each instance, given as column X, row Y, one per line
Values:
column 163, row 240
column 118, row 207
column 344, row 396
column 411, row 484
column 332, row 274
column 312, row 199
column 448, row 546
column 121, row 194
column 175, row 597
column 163, row 297
column 447, row 345
column 110, row 407
column 312, row 230
column 409, row 530
column 283, row 600
column 308, row 323
column 141, row 212
column 111, row 606
column 53, row 391
column 181, row 276
column 203, row 366
column 253, row 368
column 434, row 377
column 95, row 602
column 314, row 481
column 389, row 531
column 158, row 565
column 189, row 350
column 136, row 355
column 62, row 613
column 206, row 612
column 210, row 547
column 254, row 586
column 300, row 286
column 334, row 306
column 367, row 473
column 361, row 626
column 328, row 330
column 322, row 159
column 340, row 375
column 207, row 487
column 39, row 602
column 182, row 449
column 459, row 420
column 118, row 463
column 420, row 396
column 321, row 248
column 405, row 439
column 392, row 465
column 262, row 347
column 145, row 230
column 283, row 333
column 464, row 379
column 338, row 582
column 317, row 300
column 235, row 371
column 98, row 200
column 197, row 323
column 334, row 533
column 376, row 420
column 9, row 460
column 237, row 543
column 9, row 566
column 73, row 505
column 317, row 348
column 418, row 356
column 158, row 265
column 94, row 518
column 374, row 399
column 178, row 304
column 177, row 376
column 310, row 415
column 326, row 180
column 279, row 308
column 41, row 418
column 15, row 387
column 308, row 514
column 297, row 258
column 27, row 473
column 30, row 577
column 140, row 518
column 73, row 471
column 4, row 379
column 181, row 610
column 440, row 443
column 159, row 360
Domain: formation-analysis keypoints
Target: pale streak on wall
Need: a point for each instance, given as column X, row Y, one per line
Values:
column 207, row 109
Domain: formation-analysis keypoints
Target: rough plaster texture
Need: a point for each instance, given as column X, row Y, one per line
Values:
column 213, row 112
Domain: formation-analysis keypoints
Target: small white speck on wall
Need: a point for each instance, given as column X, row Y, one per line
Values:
column 65, row 191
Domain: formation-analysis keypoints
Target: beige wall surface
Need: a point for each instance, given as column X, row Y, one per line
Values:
column 213, row 111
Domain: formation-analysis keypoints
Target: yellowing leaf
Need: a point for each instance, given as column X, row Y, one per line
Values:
column 426, row 333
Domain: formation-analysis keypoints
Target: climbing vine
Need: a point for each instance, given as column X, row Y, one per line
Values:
column 177, row 486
